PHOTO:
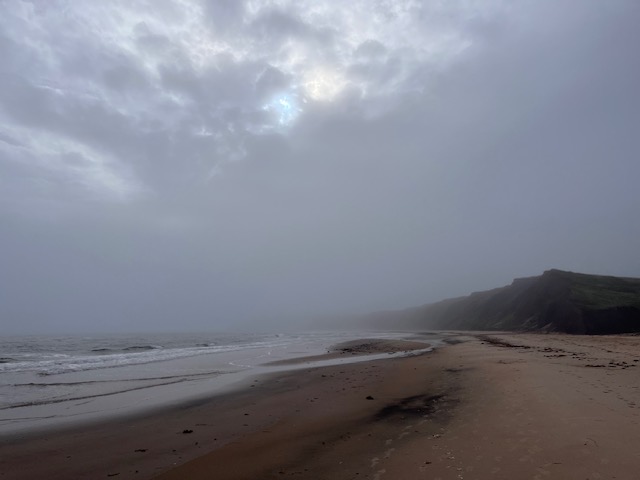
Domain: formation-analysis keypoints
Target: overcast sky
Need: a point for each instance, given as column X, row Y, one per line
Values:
column 192, row 164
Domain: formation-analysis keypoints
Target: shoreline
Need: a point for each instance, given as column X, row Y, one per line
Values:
column 70, row 451
column 490, row 405
column 36, row 401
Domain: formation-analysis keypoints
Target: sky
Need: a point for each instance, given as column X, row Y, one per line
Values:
column 246, row 164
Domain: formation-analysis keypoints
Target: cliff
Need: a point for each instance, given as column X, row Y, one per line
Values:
column 555, row 301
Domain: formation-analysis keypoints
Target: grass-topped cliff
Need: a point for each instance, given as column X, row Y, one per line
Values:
column 554, row 301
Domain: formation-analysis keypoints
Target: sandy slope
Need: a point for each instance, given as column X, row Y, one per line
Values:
column 518, row 406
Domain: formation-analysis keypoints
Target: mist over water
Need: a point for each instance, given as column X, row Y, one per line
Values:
column 279, row 166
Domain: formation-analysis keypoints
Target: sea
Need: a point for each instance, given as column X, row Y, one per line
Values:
column 49, row 381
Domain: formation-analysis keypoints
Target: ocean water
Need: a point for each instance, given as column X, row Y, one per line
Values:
column 53, row 355
column 55, row 380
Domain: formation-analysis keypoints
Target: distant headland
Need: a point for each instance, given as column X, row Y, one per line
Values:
column 556, row 301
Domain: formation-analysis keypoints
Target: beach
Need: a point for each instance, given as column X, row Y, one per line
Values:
column 483, row 406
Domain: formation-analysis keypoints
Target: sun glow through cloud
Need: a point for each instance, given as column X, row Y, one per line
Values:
column 323, row 84
column 284, row 107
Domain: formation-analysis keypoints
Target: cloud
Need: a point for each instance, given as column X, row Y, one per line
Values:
column 225, row 161
column 182, row 68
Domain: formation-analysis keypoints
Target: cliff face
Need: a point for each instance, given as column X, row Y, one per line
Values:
column 555, row 301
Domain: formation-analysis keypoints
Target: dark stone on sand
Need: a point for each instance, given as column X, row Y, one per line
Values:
column 141, row 450
column 187, row 431
column 369, row 397
column 418, row 405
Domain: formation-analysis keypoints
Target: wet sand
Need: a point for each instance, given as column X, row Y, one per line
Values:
column 498, row 406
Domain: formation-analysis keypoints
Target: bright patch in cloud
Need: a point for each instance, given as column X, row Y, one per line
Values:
column 284, row 107
column 323, row 84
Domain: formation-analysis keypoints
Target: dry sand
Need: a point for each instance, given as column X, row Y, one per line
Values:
column 501, row 406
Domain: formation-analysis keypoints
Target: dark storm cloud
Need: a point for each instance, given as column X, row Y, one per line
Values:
column 216, row 164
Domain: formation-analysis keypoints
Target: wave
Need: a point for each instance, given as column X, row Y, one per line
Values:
column 133, row 348
column 140, row 348
column 135, row 355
